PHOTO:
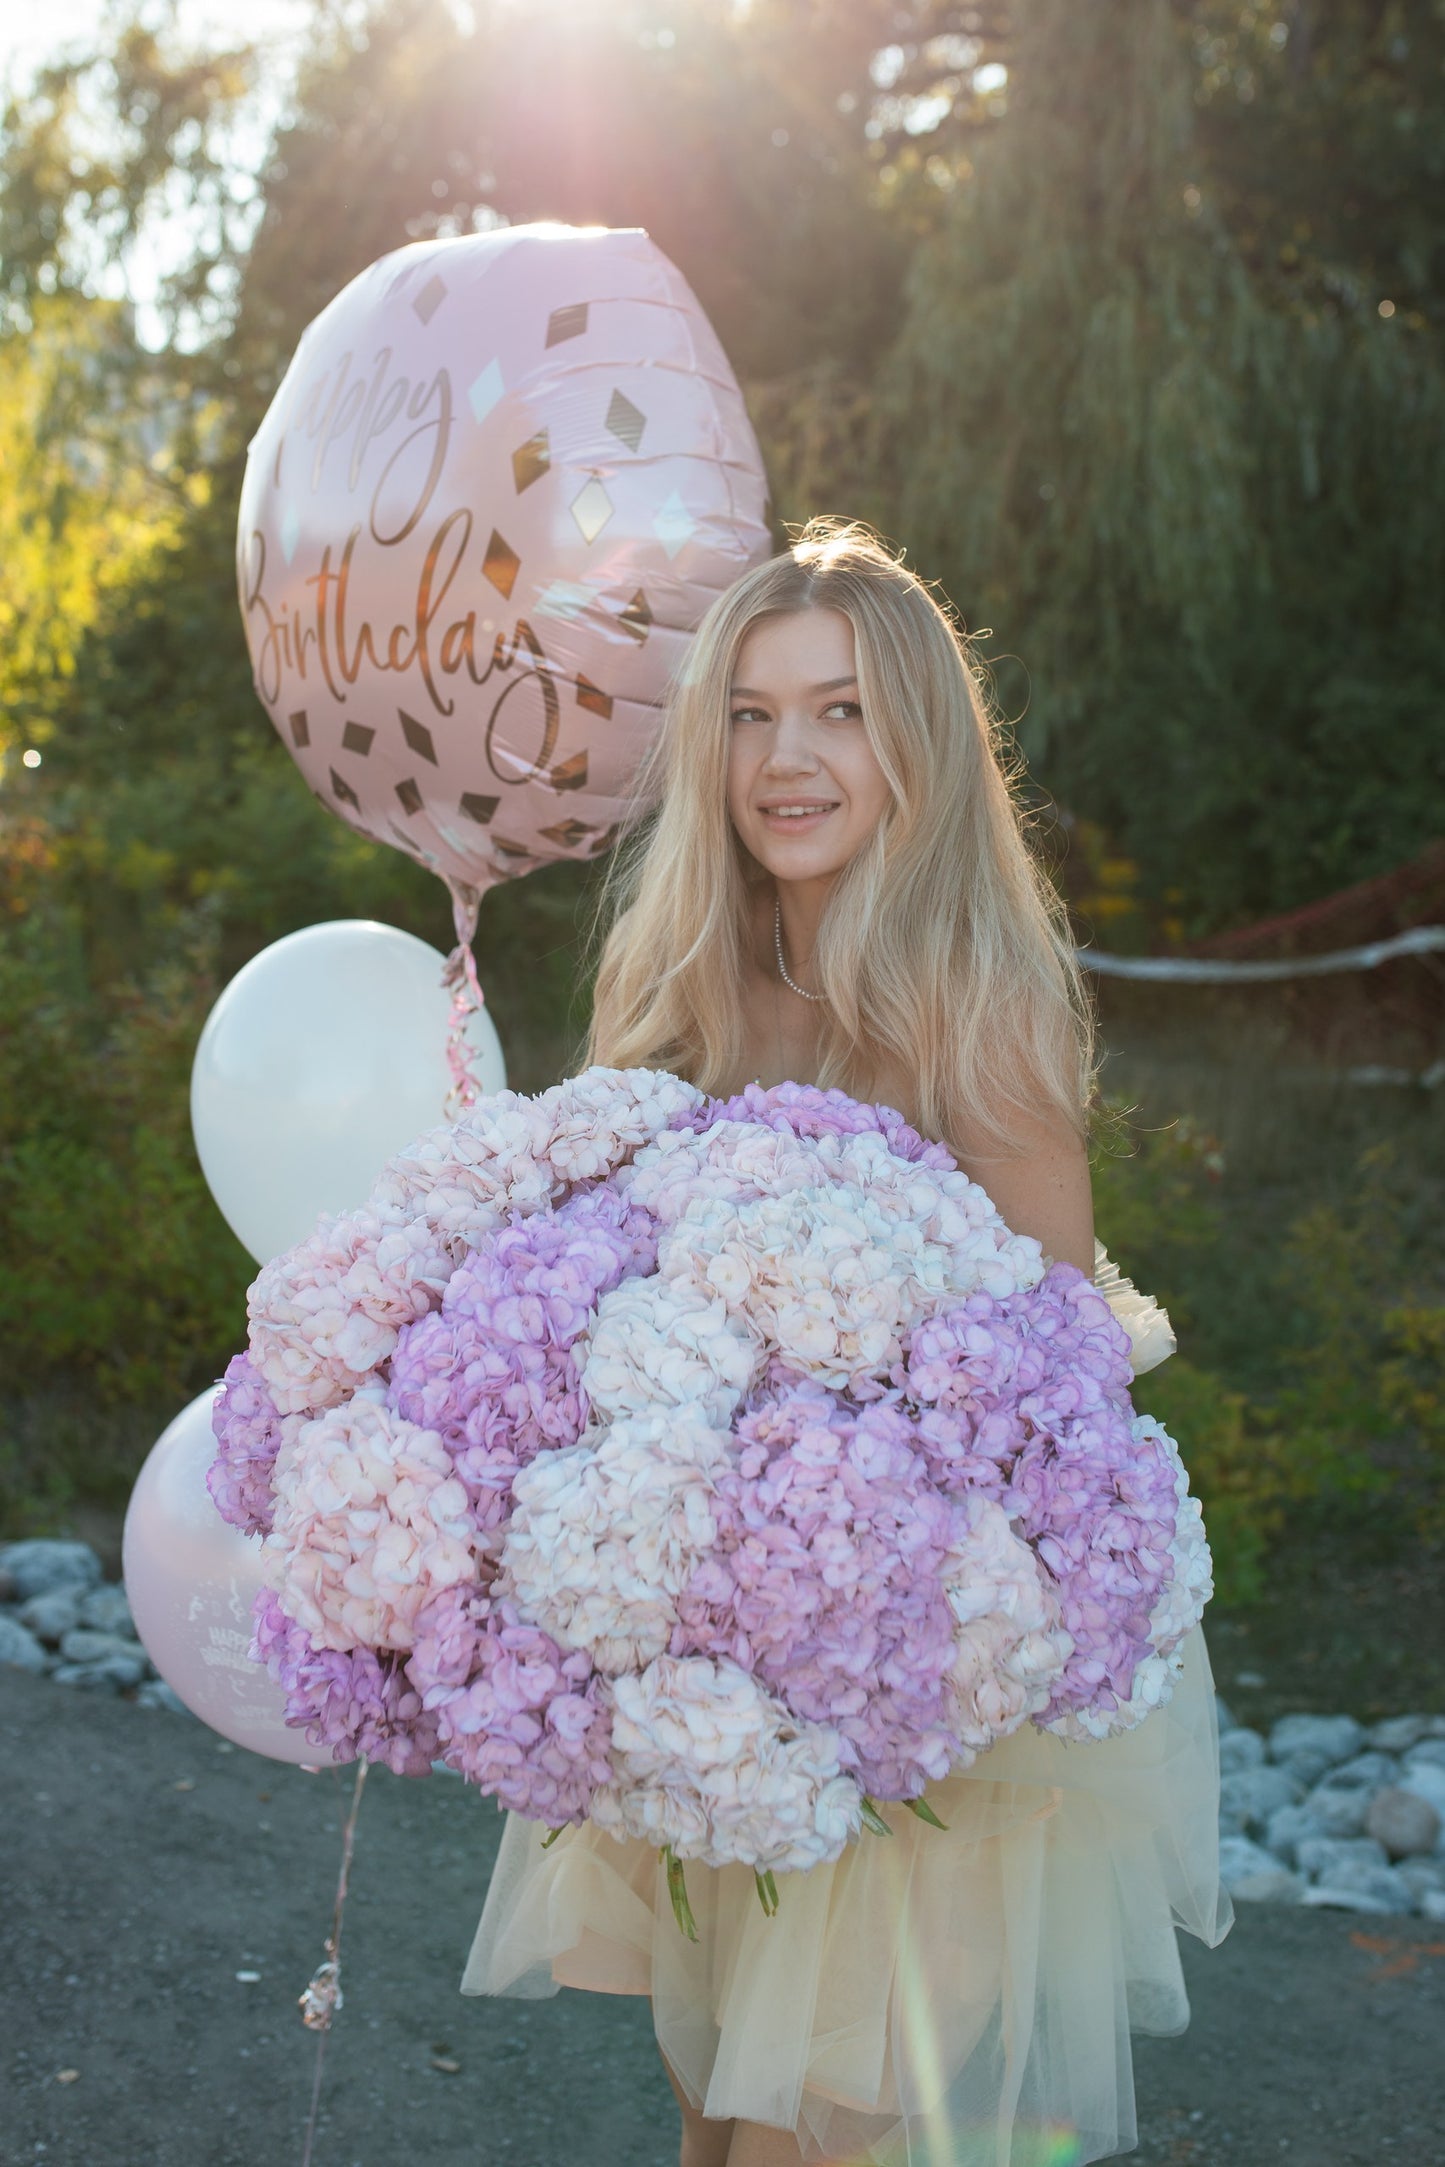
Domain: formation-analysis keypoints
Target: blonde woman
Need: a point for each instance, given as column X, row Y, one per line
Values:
column 836, row 888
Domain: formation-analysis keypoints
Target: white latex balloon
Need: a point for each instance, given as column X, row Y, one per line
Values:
column 191, row 1578
column 324, row 1056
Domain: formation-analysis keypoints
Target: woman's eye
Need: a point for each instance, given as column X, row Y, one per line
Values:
column 849, row 708
column 744, row 714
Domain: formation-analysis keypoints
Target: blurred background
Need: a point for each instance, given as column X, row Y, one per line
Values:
column 1123, row 316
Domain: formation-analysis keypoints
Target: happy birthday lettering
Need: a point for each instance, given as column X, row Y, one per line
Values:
column 324, row 641
column 355, row 412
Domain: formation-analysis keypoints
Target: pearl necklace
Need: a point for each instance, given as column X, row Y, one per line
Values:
column 782, row 966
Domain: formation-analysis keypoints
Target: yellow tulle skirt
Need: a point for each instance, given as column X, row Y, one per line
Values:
column 955, row 1998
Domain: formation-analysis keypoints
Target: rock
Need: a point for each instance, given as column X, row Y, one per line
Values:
column 39, row 1566
column 1367, row 1771
column 1255, row 1875
column 1319, row 1855
column 19, row 1649
column 1306, row 1766
column 1430, row 1753
column 155, row 1693
column 1223, row 1717
column 1337, row 1737
column 1425, row 1781
column 89, row 1677
column 50, row 1617
column 1359, row 1885
column 107, row 1611
column 126, row 1660
column 1435, row 1726
column 1286, row 1828
column 9, row 1587
column 1249, row 1796
column 1422, row 1874
column 1240, row 1748
column 1340, row 1811
column 1406, row 1824
column 1432, row 1904
column 1396, row 1734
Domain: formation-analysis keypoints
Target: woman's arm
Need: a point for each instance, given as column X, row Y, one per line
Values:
column 1044, row 1191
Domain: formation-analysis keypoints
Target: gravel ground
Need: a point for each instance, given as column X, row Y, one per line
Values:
column 146, row 1865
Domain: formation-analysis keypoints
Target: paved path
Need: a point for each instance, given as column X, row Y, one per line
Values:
column 142, row 1865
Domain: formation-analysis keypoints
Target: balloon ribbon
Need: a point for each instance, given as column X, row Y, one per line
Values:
column 323, row 1997
column 460, row 973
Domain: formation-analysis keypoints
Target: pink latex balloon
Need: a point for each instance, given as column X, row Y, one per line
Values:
column 502, row 479
column 190, row 1578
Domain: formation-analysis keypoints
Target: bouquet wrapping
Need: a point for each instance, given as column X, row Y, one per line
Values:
column 714, row 1470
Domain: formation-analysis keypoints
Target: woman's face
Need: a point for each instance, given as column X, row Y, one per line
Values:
column 797, row 741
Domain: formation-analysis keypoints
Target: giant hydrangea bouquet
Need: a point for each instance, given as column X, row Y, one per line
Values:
column 714, row 1470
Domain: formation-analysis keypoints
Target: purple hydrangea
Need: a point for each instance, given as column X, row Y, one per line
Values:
column 827, row 1581
column 519, row 1716
column 808, row 1110
column 354, row 1702
column 493, row 1370
column 249, row 1430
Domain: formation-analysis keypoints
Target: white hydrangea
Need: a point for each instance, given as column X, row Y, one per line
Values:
column 326, row 1314
column 1178, row 1609
column 666, row 1343
column 369, row 1522
column 461, row 1179
column 709, row 1762
column 1011, row 1641
column 604, row 1535
column 601, row 1117
column 821, row 1274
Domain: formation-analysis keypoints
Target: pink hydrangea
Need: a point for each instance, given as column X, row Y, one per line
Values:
column 369, row 1521
column 827, row 1580
column 528, row 1723
column 494, row 1371
column 249, row 1432
column 351, row 1701
column 807, row 1110
column 326, row 1314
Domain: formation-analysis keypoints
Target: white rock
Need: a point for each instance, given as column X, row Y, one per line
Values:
column 52, row 1615
column 1425, row 1781
column 1241, row 1861
column 1248, row 1797
column 1432, row 1904
column 88, row 1677
column 1367, row 1771
column 155, row 1693
column 1287, row 1827
column 1430, row 1753
column 1336, row 1736
column 38, row 1566
column 19, row 1650
column 1359, row 1885
column 1307, row 1766
column 1319, row 1855
column 1435, row 1726
column 1339, row 1812
column 1223, row 1716
column 1240, row 1748
column 125, row 1660
column 1422, row 1874
column 1396, row 1734
column 1406, row 1824
column 107, row 1611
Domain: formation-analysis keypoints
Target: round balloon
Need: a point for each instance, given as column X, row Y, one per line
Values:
column 323, row 1057
column 502, row 479
column 190, row 1578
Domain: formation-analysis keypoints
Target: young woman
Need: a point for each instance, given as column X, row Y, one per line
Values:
column 836, row 889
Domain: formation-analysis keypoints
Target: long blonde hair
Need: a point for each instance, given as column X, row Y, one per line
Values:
column 943, row 947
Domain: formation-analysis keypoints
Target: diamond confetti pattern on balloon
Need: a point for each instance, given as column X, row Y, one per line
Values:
column 711, row 1469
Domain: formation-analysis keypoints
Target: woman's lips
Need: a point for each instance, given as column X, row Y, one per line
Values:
column 794, row 823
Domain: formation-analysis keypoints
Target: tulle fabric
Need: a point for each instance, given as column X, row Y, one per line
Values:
column 958, row 1998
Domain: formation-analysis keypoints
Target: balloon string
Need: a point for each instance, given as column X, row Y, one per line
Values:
column 468, row 1000
column 323, row 1997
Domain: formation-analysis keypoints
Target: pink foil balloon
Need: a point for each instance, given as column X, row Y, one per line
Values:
column 502, row 479
column 190, row 1578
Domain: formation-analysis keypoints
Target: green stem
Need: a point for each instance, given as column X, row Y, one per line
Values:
column 925, row 1812
column 677, row 1890
column 767, row 1891
column 546, row 1840
column 873, row 1819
